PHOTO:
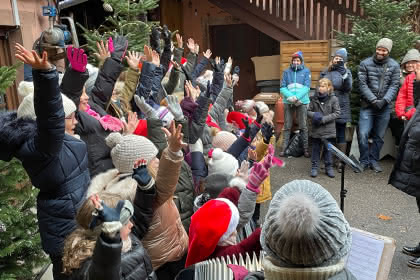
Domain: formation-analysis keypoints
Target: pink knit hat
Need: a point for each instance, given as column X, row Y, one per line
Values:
column 223, row 140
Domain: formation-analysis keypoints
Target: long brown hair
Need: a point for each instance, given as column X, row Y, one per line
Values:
column 330, row 65
column 79, row 245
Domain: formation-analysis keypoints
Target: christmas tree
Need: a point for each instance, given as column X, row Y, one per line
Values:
column 128, row 19
column 382, row 18
column 7, row 76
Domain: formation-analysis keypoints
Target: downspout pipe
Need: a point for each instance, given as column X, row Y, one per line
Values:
column 15, row 12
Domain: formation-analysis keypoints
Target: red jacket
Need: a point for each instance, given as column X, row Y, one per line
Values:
column 405, row 98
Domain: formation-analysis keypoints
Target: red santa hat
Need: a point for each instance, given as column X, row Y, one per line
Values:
column 214, row 222
column 235, row 118
column 141, row 128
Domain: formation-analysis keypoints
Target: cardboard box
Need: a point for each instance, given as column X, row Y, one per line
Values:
column 266, row 67
column 267, row 98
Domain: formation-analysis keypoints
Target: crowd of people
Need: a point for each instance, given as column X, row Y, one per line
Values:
column 145, row 172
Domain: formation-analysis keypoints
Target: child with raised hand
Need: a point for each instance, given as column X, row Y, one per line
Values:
column 323, row 109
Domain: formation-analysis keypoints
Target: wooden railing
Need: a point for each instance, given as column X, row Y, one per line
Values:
column 310, row 19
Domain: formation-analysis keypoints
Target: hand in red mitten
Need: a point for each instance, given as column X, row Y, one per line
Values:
column 258, row 174
column 77, row 59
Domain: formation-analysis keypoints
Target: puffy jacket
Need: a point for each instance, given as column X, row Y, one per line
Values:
column 405, row 175
column 342, row 88
column 56, row 162
column 184, row 195
column 296, row 82
column 404, row 105
column 330, row 109
column 109, row 263
column 144, row 86
column 370, row 72
column 217, row 111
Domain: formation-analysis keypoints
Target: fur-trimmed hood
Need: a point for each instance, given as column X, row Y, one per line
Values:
column 13, row 133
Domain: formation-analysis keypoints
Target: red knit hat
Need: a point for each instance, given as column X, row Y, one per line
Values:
column 236, row 119
column 141, row 128
column 215, row 221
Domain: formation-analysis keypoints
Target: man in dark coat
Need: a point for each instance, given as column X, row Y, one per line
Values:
column 379, row 77
column 405, row 175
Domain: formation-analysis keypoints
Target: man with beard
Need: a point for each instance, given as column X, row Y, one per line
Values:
column 379, row 81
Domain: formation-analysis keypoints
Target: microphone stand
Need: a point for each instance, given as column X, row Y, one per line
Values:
column 350, row 161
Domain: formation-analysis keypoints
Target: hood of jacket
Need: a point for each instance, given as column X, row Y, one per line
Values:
column 13, row 133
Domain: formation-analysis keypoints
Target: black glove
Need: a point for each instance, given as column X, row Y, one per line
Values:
column 236, row 70
column 167, row 35
column 247, row 128
column 218, row 67
column 259, row 115
column 317, row 118
column 188, row 76
column 267, row 132
column 231, row 109
column 107, row 214
column 143, row 178
column 155, row 39
column 208, row 93
column 120, row 47
column 379, row 104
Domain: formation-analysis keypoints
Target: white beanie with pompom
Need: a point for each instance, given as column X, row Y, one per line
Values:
column 222, row 163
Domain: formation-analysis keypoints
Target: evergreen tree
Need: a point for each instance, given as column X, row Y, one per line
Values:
column 20, row 243
column 128, row 19
column 7, row 76
column 382, row 18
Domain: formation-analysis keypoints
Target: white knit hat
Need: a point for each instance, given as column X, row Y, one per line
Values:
column 129, row 148
column 26, row 108
column 221, row 162
column 262, row 107
column 90, row 82
column 223, row 140
column 165, row 116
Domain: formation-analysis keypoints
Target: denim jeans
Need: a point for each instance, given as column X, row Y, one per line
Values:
column 302, row 116
column 316, row 152
column 373, row 123
column 340, row 129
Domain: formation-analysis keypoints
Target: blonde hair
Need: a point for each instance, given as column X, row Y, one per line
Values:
column 328, row 83
column 79, row 245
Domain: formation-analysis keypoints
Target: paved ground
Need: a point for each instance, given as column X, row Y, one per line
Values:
column 368, row 196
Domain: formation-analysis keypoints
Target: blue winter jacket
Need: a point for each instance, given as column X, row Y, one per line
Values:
column 296, row 82
column 56, row 162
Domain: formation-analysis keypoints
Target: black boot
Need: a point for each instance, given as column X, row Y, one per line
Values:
column 314, row 169
column 414, row 263
column 412, row 251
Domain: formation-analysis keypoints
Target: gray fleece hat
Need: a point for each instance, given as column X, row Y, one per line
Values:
column 411, row 55
column 385, row 43
column 304, row 227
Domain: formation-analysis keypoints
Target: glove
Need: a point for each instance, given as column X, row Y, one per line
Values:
column 256, row 177
column 145, row 108
column 379, row 104
column 155, row 39
column 110, row 45
column 317, row 118
column 218, row 67
column 247, row 128
column 167, row 35
column 236, row 70
column 291, row 99
column 259, row 115
column 143, row 178
column 268, row 159
column 110, row 217
column 267, row 132
column 175, row 107
column 77, row 59
column 120, row 44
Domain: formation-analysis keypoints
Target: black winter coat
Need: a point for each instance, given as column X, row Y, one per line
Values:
column 56, row 162
column 184, row 195
column 405, row 175
column 370, row 72
column 342, row 88
column 330, row 109
column 107, row 261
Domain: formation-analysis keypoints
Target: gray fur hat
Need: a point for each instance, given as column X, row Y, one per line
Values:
column 411, row 55
column 304, row 227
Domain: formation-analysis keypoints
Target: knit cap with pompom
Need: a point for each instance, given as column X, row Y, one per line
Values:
column 262, row 107
column 221, row 162
column 223, row 140
column 125, row 150
column 26, row 108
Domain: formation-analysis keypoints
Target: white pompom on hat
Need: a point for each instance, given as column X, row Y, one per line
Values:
column 221, row 162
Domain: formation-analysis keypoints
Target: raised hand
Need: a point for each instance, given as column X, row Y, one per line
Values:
column 247, row 128
column 259, row 115
column 32, row 58
column 141, row 174
column 120, row 44
column 207, row 54
column 196, row 48
column 179, row 41
column 174, row 136
column 103, row 51
column 228, row 66
column 191, row 91
column 155, row 58
column 77, row 59
column 243, row 170
column 133, row 60
column 131, row 124
column 111, row 45
column 267, row 132
column 175, row 107
column 149, row 112
column 228, row 80
column 258, row 174
column 191, row 45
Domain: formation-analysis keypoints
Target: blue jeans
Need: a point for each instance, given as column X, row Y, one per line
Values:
column 340, row 129
column 372, row 122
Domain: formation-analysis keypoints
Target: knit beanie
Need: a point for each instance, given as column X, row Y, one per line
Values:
column 90, row 82
column 262, row 107
column 247, row 105
column 165, row 116
column 304, row 227
column 215, row 183
column 125, row 150
column 223, row 140
column 26, row 108
column 411, row 55
column 214, row 222
column 221, row 162
column 341, row 53
column 385, row 43
column 298, row 54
